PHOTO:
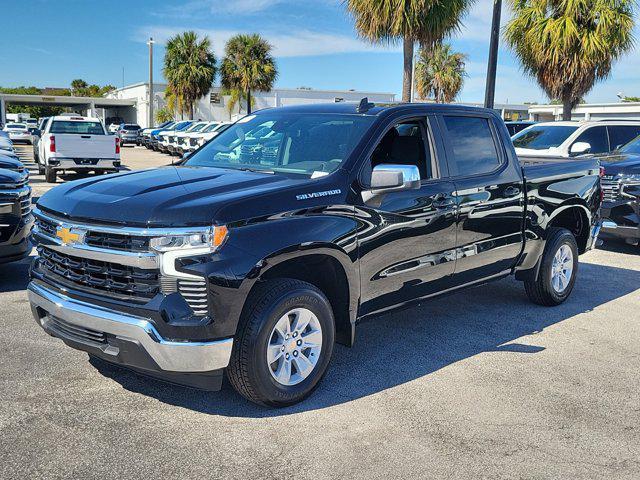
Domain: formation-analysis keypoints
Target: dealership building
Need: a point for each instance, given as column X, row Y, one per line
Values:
column 215, row 105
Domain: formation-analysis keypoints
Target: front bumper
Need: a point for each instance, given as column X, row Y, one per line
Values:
column 123, row 338
column 621, row 220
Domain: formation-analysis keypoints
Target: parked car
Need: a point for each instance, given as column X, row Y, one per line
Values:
column 18, row 132
column 6, row 145
column 15, row 211
column 256, row 258
column 177, row 140
column 621, row 186
column 199, row 139
column 129, row 133
column 162, row 143
column 79, row 144
column 145, row 133
column 36, row 137
column 517, row 126
column 569, row 139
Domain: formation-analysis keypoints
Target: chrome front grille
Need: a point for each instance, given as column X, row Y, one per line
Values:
column 25, row 206
column 195, row 294
column 611, row 188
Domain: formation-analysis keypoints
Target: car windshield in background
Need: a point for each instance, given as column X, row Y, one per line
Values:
column 16, row 126
column 541, row 137
column 131, row 127
column 85, row 128
column 211, row 128
column 305, row 144
column 196, row 128
column 632, row 147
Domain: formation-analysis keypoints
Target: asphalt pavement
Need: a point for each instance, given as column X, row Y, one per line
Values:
column 479, row 384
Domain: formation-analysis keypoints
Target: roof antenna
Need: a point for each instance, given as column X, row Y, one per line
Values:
column 364, row 105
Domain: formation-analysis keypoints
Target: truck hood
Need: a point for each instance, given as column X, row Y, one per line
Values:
column 10, row 177
column 622, row 163
column 167, row 197
column 10, row 163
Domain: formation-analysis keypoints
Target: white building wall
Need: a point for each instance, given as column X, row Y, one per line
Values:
column 205, row 110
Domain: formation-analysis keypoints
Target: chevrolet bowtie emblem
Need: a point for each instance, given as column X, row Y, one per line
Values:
column 67, row 236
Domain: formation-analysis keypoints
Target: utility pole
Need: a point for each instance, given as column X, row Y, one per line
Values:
column 150, row 108
column 490, row 91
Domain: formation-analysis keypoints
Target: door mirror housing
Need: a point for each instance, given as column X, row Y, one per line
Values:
column 580, row 148
column 388, row 177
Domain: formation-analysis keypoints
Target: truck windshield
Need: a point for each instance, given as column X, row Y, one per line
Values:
column 305, row 144
column 541, row 137
column 69, row 126
column 632, row 147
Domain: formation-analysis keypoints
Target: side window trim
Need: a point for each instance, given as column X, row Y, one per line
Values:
column 502, row 156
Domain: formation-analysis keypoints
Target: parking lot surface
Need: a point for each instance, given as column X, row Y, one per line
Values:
column 480, row 384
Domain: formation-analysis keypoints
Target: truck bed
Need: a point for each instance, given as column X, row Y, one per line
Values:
column 540, row 167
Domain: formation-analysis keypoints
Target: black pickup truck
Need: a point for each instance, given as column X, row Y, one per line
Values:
column 270, row 243
column 15, row 210
column 621, row 186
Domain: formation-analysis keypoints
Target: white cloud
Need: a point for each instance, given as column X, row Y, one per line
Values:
column 297, row 43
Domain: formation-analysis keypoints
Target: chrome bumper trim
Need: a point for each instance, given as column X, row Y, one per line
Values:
column 170, row 356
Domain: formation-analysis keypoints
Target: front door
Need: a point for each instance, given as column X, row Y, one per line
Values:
column 407, row 239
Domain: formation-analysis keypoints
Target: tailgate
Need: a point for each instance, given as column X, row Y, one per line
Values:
column 85, row 146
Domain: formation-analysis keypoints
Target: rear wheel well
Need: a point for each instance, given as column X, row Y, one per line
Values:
column 327, row 274
column 575, row 220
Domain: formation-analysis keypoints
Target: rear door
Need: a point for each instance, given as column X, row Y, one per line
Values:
column 488, row 192
column 407, row 239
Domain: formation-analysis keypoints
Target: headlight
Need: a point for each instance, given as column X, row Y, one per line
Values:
column 206, row 241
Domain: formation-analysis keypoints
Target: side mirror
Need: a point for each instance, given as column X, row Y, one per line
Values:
column 186, row 156
column 388, row 177
column 580, row 148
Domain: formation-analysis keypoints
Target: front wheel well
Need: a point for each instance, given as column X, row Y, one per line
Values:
column 575, row 220
column 328, row 275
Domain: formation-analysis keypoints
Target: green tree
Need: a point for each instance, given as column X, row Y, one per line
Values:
column 190, row 68
column 439, row 73
column 35, row 111
column 248, row 66
column 631, row 99
column 164, row 115
column 78, row 87
column 425, row 21
column 569, row 45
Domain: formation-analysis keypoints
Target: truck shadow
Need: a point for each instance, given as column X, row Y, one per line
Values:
column 400, row 347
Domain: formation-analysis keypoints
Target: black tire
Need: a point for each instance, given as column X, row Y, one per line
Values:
column 541, row 290
column 49, row 175
column 248, row 371
column 40, row 167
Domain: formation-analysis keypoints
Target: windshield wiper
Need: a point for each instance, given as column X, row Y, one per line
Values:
column 251, row 169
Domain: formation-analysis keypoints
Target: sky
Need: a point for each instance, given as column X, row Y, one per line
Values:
column 51, row 42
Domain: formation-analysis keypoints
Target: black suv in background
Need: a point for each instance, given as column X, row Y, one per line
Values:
column 15, row 210
column 621, row 186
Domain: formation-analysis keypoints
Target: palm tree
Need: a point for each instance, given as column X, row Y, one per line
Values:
column 424, row 21
column 439, row 73
column 248, row 66
column 189, row 67
column 570, row 45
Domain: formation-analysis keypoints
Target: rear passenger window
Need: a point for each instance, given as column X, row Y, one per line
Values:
column 472, row 144
column 620, row 135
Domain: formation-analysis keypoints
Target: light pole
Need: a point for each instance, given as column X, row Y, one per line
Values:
column 490, row 91
column 150, row 109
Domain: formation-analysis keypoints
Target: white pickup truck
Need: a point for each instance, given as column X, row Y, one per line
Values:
column 79, row 144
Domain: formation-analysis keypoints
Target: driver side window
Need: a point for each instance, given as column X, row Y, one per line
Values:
column 405, row 144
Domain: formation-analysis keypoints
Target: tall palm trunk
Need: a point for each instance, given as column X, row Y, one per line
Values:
column 407, row 79
column 567, row 107
column 248, row 102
